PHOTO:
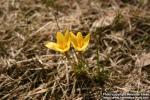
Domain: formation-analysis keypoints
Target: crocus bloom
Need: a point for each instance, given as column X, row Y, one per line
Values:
column 63, row 42
column 78, row 42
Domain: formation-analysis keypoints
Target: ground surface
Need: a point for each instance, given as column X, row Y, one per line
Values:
column 119, row 45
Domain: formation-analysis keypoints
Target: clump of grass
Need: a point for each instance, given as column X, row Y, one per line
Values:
column 119, row 23
column 80, row 70
column 101, row 77
column 49, row 2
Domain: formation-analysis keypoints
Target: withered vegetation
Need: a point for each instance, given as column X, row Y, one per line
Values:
column 119, row 45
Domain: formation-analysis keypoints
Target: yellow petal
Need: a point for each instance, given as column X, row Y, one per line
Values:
column 67, row 35
column 60, row 37
column 77, row 48
column 85, row 43
column 73, row 39
column 56, row 47
column 67, row 47
column 83, row 48
column 87, row 38
column 80, row 41
column 62, row 50
column 79, row 36
column 52, row 45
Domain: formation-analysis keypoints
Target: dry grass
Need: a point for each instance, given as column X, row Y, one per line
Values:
column 120, row 45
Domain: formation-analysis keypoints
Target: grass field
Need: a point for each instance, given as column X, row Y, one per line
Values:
column 117, row 58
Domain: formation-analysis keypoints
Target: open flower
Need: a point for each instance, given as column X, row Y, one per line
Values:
column 63, row 42
column 78, row 42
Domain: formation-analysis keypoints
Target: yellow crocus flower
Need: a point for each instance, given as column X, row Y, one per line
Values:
column 78, row 42
column 63, row 42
